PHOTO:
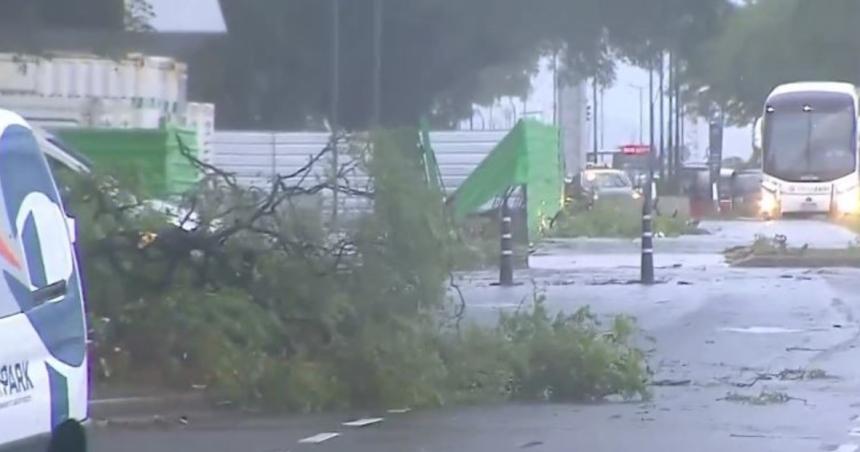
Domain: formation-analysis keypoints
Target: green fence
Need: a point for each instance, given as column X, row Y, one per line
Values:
column 528, row 156
column 152, row 157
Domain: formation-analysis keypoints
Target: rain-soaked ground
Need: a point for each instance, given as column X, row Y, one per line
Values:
column 722, row 338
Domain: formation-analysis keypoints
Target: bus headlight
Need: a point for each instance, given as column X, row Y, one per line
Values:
column 849, row 201
column 768, row 202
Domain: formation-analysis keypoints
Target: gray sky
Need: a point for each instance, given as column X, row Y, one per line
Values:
column 621, row 109
column 188, row 15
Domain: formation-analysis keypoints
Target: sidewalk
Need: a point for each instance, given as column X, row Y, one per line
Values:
column 117, row 401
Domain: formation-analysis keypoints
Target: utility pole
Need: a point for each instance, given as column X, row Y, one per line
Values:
column 602, row 119
column 641, row 90
column 670, row 164
column 679, row 123
column 662, row 165
column 647, row 263
column 335, row 104
column 377, row 62
column 594, row 117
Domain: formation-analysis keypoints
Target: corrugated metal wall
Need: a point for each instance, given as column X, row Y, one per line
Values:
column 255, row 157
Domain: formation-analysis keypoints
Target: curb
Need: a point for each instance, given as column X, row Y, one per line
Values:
column 146, row 406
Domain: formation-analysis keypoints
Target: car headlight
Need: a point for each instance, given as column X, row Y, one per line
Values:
column 849, row 201
column 636, row 194
column 769, row 202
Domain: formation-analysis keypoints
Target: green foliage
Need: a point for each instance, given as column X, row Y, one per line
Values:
column 438, row 57
column 257, row 305
column 769, row 42
column 615, row 219
column 532, row 355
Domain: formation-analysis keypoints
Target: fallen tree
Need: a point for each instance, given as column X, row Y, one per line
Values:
column 248, row 294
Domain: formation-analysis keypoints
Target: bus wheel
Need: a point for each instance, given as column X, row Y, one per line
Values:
column 68, row 437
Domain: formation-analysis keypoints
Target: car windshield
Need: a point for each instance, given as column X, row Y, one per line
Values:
column 607, row 180
column 811, row 139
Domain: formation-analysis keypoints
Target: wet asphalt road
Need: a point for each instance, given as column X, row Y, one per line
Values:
column 715, row 329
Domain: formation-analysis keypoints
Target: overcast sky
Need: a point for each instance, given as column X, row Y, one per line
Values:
column 621, row 114
column 188, row 15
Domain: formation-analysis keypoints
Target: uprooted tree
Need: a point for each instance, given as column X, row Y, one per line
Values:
column 246, row 293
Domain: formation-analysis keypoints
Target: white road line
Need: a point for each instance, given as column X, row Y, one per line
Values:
column 318, row 438
column 399, row 410
column 855, row 431
column 363, row 422
column 847, row 448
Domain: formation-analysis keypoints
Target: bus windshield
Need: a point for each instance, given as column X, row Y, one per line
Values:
column 810, row 141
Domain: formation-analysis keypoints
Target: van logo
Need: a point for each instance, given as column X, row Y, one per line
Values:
column 15, row 378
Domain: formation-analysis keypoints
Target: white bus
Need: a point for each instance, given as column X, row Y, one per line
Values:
column 809, row 140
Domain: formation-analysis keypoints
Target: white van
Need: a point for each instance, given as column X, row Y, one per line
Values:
column 43, row 359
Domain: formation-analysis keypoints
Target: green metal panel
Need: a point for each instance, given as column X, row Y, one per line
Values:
column 528, row 155
column 152, row 157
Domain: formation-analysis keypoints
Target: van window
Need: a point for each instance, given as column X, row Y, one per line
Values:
column 8, row 254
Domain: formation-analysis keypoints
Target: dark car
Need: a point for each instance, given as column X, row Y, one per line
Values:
column 746, row 191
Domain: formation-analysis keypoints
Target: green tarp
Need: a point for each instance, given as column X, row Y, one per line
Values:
column 151, row 156
column 529, row 155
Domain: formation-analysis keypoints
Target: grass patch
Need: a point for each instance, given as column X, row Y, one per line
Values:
column 616, row 219
column 776, row 252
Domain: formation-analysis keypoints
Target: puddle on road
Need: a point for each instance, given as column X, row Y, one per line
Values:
column 761, row 330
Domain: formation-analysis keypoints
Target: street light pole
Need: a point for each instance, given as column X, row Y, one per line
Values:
column 594, row 117
column 641, row 90
column 377, row 62
column 647, row 263
column 335, row 103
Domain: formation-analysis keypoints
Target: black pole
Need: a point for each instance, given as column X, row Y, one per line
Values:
column 377, row 62
column 671, row 138
column 506, row 260
column 647, row 265
column 662, row 162
column 594, row 117
column 335, row 102
column 679, row 124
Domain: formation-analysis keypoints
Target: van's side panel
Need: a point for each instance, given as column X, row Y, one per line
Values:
column 43, row 347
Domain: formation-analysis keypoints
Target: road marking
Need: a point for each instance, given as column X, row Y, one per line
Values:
column 318, row 438
column 363, row 422
column 847, row 448
column 761, row 330
column 854, row 431
column 400, row 410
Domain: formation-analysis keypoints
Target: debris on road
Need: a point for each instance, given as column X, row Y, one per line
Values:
column 763, row 398
column 531, row 444
column 672, row 383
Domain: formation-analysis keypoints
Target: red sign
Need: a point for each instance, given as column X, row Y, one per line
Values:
column 635, row 149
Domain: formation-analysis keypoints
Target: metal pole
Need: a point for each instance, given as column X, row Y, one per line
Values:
column 555, row 89
column 377, row 62
column 602, row 120
column 671, row 138
column 594, row 119
column 506, row 260
column 335, row 103
column 647, row 264
column 662, row 165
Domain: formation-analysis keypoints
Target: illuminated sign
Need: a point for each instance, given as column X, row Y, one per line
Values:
column 635, row 149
